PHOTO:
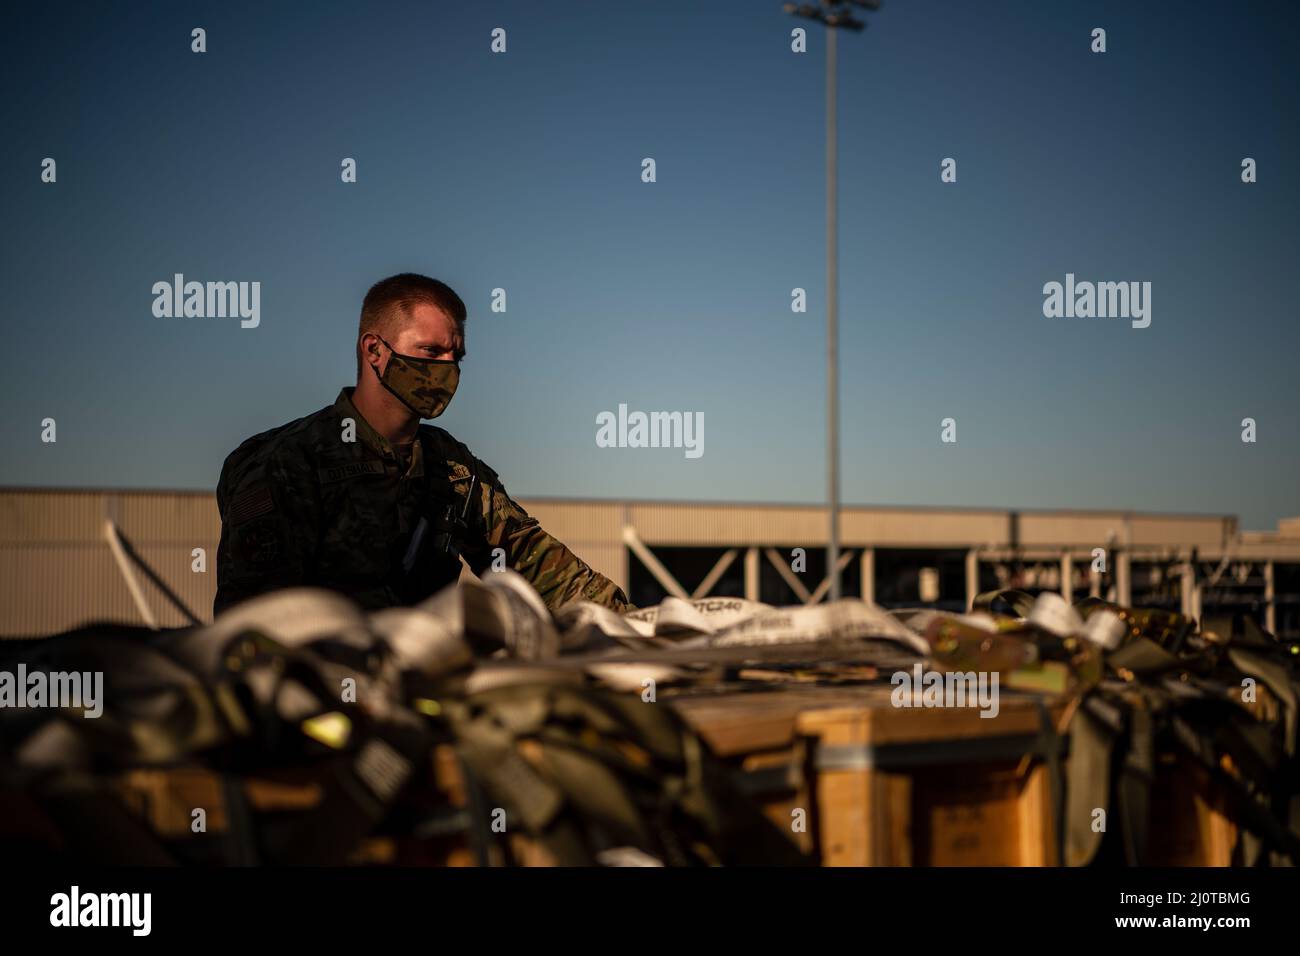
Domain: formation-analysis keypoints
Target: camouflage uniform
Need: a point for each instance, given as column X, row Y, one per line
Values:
column 301, row 506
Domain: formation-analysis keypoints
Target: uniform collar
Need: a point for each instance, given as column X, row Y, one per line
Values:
column 375, row 441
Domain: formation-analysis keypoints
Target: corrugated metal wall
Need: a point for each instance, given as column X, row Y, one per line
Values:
column 739, row 525
column 56, row 571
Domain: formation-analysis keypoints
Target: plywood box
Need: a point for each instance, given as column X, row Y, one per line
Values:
column 930, row 787
column 886, row 786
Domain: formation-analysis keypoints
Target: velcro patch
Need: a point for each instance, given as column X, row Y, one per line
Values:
column 349, row 469
column 259, row 546
column 251, row 503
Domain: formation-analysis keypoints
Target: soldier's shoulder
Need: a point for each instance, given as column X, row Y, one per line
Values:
column 447, row 448
column 292, row 440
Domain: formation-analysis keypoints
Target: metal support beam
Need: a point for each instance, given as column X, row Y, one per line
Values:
column 869, row 575
column 661, row 574
column 1067, row 576
column 1270, row 597
column 1123, row 579
column 751, row 575
column 825, row 586
column 1187, row 590
column 972, row 577
column 719, row 569
column 788, row 575
column 123, row 565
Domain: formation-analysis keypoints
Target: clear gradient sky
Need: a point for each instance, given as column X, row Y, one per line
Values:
column 522, row 171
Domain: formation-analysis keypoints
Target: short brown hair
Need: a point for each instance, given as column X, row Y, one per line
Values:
column 389, row 300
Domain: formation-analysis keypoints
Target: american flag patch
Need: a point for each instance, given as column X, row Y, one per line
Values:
column 253, row 503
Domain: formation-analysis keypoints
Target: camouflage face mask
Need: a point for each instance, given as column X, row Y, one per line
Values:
column 424, row 385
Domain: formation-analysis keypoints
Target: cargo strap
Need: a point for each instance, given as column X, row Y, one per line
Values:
column 235, row 711
column 1092, row 739
column 1020, row 602
column 1246, row 805
column 1050, row 746
column 1275, row 677
column 585, row 770
column 1136, row 775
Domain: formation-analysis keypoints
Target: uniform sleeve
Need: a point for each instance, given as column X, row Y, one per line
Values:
column 559, row 575
column 268, row 530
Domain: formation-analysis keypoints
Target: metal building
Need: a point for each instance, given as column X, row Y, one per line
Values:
column 60, row 568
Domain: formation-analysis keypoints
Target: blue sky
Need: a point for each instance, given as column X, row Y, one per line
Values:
column 522, row 171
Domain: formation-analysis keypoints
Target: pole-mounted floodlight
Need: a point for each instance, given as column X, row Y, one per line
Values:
column 835, row 15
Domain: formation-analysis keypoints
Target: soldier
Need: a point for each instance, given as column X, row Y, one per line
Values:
column 361, row 498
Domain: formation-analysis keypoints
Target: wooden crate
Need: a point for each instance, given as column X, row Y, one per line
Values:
column 890, row 786
column 456, row 846
column 1190, row 821
column 903, row 787
column 754, row 732
column 884, row 786
column 165, row 799
column 873, row 785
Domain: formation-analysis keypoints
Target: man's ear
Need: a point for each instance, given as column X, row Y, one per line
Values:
column 372, row 351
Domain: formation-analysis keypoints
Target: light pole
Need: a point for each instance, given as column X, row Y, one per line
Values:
column 835, row 15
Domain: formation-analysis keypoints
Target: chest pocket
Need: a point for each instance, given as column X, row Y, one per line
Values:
column 357, row 522
column 429, row 556
column 452, row 491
